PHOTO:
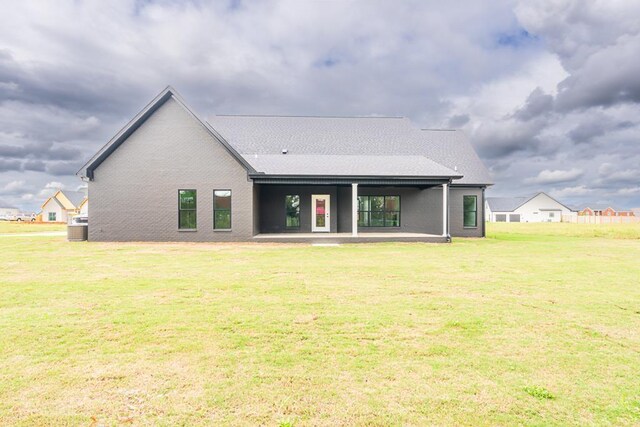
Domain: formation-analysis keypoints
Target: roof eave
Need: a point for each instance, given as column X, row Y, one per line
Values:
column 394, row 177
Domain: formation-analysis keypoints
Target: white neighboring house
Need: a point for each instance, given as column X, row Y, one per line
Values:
column 539, row 207
column 62, row 206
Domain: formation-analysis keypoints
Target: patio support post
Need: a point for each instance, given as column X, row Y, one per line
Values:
column 445, row 210
column 354, row 209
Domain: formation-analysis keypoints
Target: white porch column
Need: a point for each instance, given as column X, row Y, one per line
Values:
column 445, row 210
column 354, row 209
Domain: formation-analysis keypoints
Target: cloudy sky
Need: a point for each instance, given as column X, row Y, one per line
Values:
column 548, row 90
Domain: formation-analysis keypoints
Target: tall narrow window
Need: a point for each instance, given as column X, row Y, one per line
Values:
column 222, row 210
column 187, row 209
column 470, row 204
column 379, row 211
column 292, row 208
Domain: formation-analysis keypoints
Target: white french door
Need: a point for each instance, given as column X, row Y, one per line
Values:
column 320, row 208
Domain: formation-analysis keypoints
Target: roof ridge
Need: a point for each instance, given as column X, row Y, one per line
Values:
column 309, row 116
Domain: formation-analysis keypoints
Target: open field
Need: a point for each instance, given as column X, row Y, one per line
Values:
column 555, row 229
column 29, row 227
column 526, row 327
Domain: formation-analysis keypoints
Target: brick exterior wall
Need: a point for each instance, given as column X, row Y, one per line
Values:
column 134, row 194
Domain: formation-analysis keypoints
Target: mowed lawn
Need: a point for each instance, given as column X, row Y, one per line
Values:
column 15, row 227
column 535, row 325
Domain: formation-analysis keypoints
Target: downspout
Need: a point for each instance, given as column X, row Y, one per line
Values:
column 484, row 224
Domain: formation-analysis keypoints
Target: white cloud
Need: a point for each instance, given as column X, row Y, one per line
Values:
column 629, row 191
column 13, row 186
column 56, row 185
column 579, row 190
column 555, row 176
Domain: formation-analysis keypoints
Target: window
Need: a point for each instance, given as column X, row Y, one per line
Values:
column 292, row 208
column 552, row 214
column 470, row 204
column 187, row 209
column 52, row 216
column 379, row 211
column 222, row 210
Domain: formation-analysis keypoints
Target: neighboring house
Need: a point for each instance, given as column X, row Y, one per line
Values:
column 62, row 205
column 84, row 207
column 604, row 211
column 239, row 178
column 539, row 207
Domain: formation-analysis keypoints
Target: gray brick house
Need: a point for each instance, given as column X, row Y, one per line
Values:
column 170, row 176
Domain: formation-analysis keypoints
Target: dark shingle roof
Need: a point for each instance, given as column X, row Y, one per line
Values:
column 389, row 141
column 505, row 204
column 349, row 165
column 510, row 204
column 75, row 197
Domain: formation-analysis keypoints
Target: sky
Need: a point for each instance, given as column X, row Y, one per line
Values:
column 548, row 91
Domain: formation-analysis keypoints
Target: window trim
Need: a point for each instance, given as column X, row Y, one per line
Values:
column 384, row 211
column 475, row 211
column 286, row 212
column 195, row 209
column 230, row 209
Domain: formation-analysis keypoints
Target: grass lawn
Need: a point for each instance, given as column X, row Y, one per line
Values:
column 533, row 326
column 13, row 227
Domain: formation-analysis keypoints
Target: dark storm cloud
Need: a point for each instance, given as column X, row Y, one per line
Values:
column 62, row 168
column 42, row 151
column 459, row 120
column 10, row 165
column 597, row 44
column 34, row 165
column 61, row 85
column 585, row 132
column 538, row 103
column 505, row 137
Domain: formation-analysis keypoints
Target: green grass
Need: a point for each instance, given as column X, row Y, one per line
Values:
column 557, row 229
column 525, row 327
column 29, row 227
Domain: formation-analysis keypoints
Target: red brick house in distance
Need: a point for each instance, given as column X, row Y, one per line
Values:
column 609, row 211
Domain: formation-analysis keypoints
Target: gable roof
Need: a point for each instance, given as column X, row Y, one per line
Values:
column 505, row 204
column 75, row 197
column 68, row 200
column 376, row 146
column 62, row 203
column 510, row 204
column 168, row 93
column 377, row 140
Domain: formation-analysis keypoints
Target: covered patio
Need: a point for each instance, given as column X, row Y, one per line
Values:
column 339, row 210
